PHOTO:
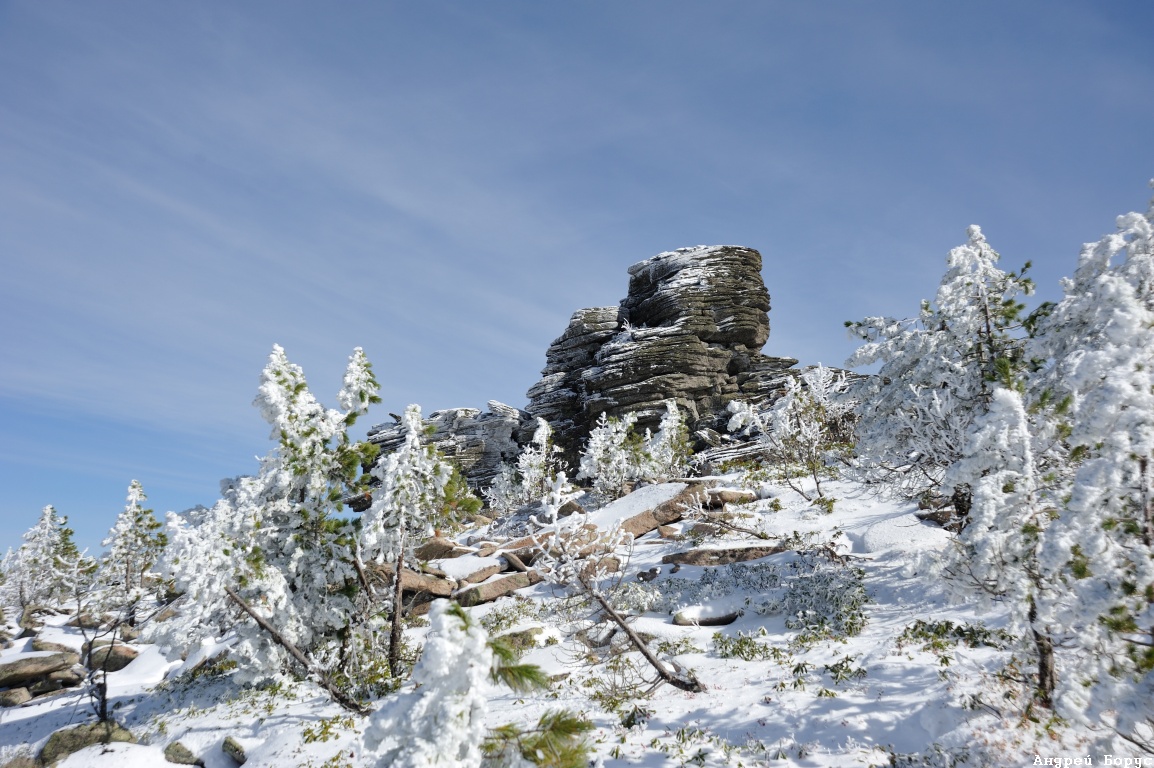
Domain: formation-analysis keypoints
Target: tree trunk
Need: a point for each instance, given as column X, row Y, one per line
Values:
column 693, row 686
column 338, row 696
column 1047, row 674
column 395, row 632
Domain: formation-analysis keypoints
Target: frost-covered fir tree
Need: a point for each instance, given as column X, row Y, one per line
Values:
column 613, row 456
column 806, row 431
column 530, row 477
column 442, row 721
column 1099, row 346
column 404, row 510
column 134, row 544
column 667, row 453
column 998, row 552
column 938, row 371
column 274, row 543
column 43, row 571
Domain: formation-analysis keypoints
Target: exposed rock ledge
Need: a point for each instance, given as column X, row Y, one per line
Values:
column 691, row 328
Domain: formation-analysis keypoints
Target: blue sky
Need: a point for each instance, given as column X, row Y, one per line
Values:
column 182, row 185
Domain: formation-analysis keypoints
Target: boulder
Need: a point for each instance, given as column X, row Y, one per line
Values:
column 111, row 658
column 414, row 582
column 28, row 669
column 181, row 755
column 437, row 548
column 719, row 497
column 491, row 590
column 65, row 742
column 521, row 640
column 664, row 513
column 723, row 556
column 44, row 645
column 234, row 749
column 14, row 697
column 705, row 616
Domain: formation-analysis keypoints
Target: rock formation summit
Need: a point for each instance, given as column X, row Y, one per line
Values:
column 691, row 328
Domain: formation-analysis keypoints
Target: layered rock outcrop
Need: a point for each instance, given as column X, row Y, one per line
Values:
column 691, row 328
column 477, row 441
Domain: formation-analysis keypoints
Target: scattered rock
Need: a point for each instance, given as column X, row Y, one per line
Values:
column 719, row 497
column 44, row 645
column 666, row 512
column 702, row 616
column 233, row 749
column 723, row 556
column 65, row 742
column 111, row 658
column 521, row 640
column 14, row 697
column 181, row 755
column 570, row 507
column 415, row 582
column 491, row 590
column 437, row 548
column 85, row 621
column 31, row 668
column 649, row 575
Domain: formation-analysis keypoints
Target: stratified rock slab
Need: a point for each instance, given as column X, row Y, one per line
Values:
column 723, row 556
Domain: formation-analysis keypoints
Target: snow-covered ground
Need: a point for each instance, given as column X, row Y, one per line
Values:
column 884, row 695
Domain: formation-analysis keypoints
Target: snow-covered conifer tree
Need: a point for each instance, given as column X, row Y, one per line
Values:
column 997, row 553
column 613, row 456
column 937, row 371
column 667, row 452
column 1099, row 344
column 530, row 477
column 274, row 542
column 134, row 544
column 44, row 567
column 806, row 430
column 442, row 721
column 411, row 491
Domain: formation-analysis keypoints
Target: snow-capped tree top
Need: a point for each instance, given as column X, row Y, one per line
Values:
column 360, row 386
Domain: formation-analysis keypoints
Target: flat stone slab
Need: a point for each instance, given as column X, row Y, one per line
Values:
column 491, row 590
column 705, row 616
column 723, row 556
column 28, row 669
column 665, row 512
column 719, row 497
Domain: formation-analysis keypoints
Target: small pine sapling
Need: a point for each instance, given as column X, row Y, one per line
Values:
column 441, row 721
column 530, row 477
column 806, row 432
column 134, row 545
column 667, row 453
column 614, row 456
column 404, row 511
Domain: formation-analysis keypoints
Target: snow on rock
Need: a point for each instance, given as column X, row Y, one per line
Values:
column 115, row 755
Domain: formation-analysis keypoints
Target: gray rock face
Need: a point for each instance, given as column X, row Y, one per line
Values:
column 476, row 441
column 691, row 328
